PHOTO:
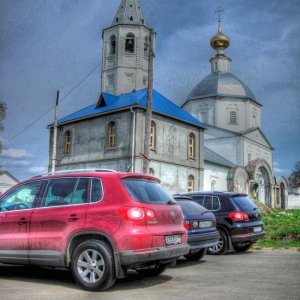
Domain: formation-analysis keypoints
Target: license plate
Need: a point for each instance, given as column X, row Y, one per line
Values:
column 205, row 224
column 173, row 239
column 257, row 229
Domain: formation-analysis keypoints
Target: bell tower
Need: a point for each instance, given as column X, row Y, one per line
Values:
column 125, row 52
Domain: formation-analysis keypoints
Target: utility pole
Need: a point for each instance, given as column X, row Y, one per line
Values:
column 149, row 105
column 53, row 163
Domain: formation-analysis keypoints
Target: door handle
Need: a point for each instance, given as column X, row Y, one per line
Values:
column 73, row 218
column 23, row 221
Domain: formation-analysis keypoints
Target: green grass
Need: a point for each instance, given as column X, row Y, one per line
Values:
column 282, row 229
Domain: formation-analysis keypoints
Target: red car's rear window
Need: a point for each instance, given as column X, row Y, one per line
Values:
column 146, row 191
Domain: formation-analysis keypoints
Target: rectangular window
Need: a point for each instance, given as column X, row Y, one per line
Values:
column 232, row 117
column 21, row 197
column 208, row 202
column 146, row 191
column 81, row 193
column 215, row 203
column 198, row 199
column 60, row 192
column 97, row 191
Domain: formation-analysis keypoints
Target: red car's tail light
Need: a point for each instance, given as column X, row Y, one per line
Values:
column 238, row 216
column 138, row 214
column 186, row 225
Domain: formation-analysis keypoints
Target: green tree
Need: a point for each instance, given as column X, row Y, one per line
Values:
column 2, row 117
column 294, row 178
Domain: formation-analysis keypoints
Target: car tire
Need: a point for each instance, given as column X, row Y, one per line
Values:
column 222, row 246
column 195, row 255
column 243, row 248
column 153, row 271
column 93, row 265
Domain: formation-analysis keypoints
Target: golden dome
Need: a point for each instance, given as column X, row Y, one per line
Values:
column 220, row 39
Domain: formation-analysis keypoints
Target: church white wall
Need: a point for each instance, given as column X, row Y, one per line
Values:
column 203, row 110
column 215, row 173
column 216, row 112
column 230, row 148
column 90, row 143
column 293, row 201
column 253, row 151
column 169, row 160
column 224, row 108
column 174, row 178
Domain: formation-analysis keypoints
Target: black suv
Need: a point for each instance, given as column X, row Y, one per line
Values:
column 238, row 219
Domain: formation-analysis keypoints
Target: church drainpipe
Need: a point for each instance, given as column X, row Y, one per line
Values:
column 133, row 140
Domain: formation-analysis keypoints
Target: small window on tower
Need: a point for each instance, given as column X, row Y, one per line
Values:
column 131, row 18
column 146, row 47
column 117, row 20
column 129, row 44
column 232, row 117
column 113, row 44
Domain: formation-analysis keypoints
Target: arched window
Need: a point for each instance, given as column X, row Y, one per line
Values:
column 151, row 172
column 191, row 183
column 67, row 143
column 129, row 43
column 113, row 45
column 112, row 135
column 146, row 47
column 153, row 136
column 191, row 148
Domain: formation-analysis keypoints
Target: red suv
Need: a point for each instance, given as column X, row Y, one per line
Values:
column 97, row 223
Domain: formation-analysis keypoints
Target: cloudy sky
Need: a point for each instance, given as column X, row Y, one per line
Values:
column 49, row 45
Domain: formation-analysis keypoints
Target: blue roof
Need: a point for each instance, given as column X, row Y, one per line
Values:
column 111, row 103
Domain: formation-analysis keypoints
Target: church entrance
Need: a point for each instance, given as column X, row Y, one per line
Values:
column 263, row 192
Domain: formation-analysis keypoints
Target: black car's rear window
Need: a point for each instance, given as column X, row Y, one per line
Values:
column 243, row 203
column 191, row 207
column 146, row 191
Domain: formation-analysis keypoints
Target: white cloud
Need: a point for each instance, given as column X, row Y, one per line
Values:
column 37, row 169
column 16, row 153
column 16, row 163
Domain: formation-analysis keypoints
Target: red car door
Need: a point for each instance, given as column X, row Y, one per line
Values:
column 16, row 207
column 62, row 214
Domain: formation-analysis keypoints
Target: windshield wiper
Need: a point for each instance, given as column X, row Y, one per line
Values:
column 171, row 202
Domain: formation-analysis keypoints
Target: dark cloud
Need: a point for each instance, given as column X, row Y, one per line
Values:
column 50, row 45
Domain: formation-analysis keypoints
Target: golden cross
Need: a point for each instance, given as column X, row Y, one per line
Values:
column 219, row 12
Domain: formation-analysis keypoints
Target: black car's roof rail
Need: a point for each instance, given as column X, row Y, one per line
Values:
column 74, row 170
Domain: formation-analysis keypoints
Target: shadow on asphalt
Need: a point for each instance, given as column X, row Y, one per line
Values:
column 63, row 278
column 183, row 263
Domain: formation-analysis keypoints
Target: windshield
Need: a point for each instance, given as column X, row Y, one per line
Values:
column 244, row 203
column 146, row 191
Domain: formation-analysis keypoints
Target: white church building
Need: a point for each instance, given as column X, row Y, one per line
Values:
column 213, row 142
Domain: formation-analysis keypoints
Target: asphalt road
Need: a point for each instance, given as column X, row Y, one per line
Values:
column 262, row 274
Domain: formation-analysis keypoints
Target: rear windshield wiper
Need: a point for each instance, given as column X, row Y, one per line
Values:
column 171, row 202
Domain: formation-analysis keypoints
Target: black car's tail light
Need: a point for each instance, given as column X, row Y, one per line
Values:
column 238, row 216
